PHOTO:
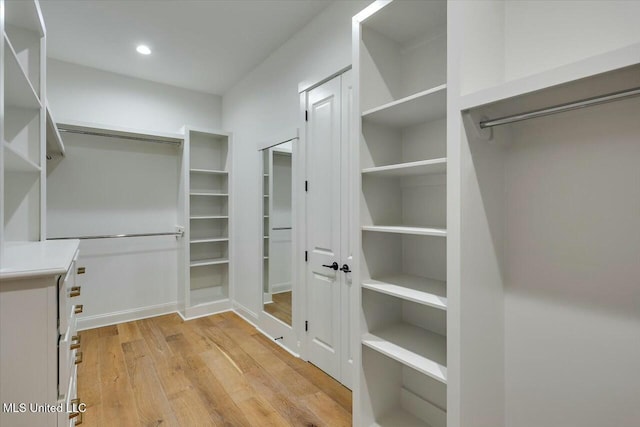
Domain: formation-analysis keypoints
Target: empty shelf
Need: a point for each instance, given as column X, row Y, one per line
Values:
column 411, row 288
column 422, row 167
column 422, row 350
column 210, row 217
column 211, row 240
column 18, row 162
column 399, row 417
column 206, row 295
column 266, row 237
column 205, row 193
column 421, row 107
column 213, row 261
column 19, row 91
column 209, row 171
column 401, row 229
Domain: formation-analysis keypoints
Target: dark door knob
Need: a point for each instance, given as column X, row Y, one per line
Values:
column 345, row 268
column 333, row 266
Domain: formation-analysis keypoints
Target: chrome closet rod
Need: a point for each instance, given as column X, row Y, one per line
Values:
column 118, row 236
column 602, row 99
column 108, row 135
column 281, row 228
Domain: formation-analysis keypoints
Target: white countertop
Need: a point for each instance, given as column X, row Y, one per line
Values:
column 23, row 260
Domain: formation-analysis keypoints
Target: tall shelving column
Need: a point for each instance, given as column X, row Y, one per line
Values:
column 400, row 56
column 207, row 235
column 22, row 160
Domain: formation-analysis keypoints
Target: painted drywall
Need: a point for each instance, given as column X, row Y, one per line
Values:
column 266, row 103
column 91, row 95
column 113, row 186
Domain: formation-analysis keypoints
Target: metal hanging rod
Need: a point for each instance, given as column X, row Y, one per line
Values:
column 109, row 135
column 589, row 102
column 118, row 236
column 281, row 228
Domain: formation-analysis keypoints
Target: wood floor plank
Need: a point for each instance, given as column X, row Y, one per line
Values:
column 213, row 371
column 151, row 402
column 117, row 395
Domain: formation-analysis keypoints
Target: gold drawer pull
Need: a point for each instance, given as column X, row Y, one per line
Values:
column 81, row 270
column 75, row 342
column 75, row 403
column 77, row 309
column 78, row 358
column 75, row 291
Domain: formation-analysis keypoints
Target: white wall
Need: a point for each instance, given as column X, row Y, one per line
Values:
column 265, row 103
column 112, row 186
column 91, row 95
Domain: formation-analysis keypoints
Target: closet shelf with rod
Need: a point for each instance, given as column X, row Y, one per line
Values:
column 108, row 131
column 421, row 231
column 178, row 233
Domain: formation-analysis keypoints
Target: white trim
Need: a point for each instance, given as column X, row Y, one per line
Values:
column 107, row 319
column 245, row 313
column 278, row 138
column 277, row 342
column 207, row 309
column 281, row 287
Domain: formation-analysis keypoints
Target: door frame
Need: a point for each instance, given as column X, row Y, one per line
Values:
column 300, row 241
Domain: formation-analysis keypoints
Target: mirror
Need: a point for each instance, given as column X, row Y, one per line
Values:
column 277, row 194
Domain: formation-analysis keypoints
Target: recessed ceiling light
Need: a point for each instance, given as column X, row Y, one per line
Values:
column 143, row 49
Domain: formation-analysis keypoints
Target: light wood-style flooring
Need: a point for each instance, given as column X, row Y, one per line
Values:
column 213, row 371
column 280, row 308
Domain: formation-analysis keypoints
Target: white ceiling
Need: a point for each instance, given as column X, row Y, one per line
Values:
column 205, row 45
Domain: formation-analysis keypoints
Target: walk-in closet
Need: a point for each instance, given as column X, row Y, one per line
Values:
column 371, row 213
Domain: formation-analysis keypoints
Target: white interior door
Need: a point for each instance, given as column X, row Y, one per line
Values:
column 323, row 227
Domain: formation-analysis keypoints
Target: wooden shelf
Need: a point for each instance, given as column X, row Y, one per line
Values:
column 55, row 146
column 401, row 229
column 205, row 193
column 411, row 288
column 209, row 171
column 421, row 107
column 421, row 167
column 19, row 91
column 209, row 217
column 211, row 240
column 214, row 261
column 17, row 162
column 424, row 351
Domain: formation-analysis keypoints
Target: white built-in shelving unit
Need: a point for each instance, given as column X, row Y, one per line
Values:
column 22, row 156
column 545, row 283
column 400, row 62
column 206, row 186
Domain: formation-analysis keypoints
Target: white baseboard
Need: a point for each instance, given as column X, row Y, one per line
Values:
column 281, row 287
column 246, row 314
column 207, row 309
column 97, row 321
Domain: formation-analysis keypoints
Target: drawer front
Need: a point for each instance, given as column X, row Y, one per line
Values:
column 70, row 402
column 69, row 291
column 69, row 353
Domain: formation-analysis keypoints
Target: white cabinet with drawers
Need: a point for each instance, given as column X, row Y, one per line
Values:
column 40, row 347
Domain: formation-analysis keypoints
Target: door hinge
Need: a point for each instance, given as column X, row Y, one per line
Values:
column 306, row 326
column 306, row 256
column 306, row 186
column 306, row 115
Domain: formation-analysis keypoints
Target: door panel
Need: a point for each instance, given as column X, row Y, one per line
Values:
column 323, row 202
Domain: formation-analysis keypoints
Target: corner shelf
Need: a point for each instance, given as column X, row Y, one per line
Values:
column 209, row 171
column 422, row 350
column 211, row 240
column 401, row 229
column 420, row 290
column 213, row 261
column 421, row 167
column 20, row 92
column 422, row 107
column 18, row 162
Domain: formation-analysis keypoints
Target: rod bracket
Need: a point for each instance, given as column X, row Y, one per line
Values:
column 471, row 120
